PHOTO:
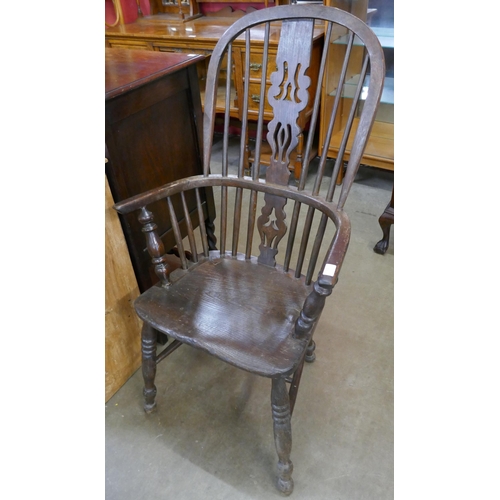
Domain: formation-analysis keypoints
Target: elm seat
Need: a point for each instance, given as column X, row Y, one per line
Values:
column 243, row 304
column 237, row 310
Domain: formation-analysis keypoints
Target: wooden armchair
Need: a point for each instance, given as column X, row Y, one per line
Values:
column 259, row 313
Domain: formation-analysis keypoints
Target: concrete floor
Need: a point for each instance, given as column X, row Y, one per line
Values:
column 212, row 437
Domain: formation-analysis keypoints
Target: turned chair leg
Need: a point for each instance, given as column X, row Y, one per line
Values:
column 280, row 404
column 148, row 345
column 310, row 354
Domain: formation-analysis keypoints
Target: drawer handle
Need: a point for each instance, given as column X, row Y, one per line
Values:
column 255, row 98
column 255, row 66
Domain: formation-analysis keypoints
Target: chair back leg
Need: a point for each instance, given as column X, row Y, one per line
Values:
column 280, row 404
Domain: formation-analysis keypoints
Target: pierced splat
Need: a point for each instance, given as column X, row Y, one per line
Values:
column 288, row 96
column 271, row 231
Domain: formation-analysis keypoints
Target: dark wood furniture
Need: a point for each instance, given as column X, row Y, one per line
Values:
column 386, row 220
column 259, row 312
column 153, row 136
column 199, row 36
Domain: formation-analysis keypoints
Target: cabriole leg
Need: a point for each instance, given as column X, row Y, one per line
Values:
column 149, row 366
column 385, row 224
column 386, row 220
column 280, row 404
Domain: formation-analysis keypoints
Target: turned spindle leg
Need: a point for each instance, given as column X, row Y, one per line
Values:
column 310, row 354
column 280, row 404
column 149, row 366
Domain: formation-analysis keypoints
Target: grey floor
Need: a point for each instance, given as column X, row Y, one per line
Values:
column 211, row 436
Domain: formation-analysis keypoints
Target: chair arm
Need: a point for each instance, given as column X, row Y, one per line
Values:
column 327, row 278
column 335, row 257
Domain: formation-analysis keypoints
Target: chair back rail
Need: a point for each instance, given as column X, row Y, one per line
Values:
column 284, row 89
column 337, row 237
column 300, row 19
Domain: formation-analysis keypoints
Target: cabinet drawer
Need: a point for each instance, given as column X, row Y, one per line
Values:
column 183, row 50
column 256, row 65
column 254, row 98
column 129, row 44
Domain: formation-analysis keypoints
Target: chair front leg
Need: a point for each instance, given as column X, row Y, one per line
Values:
column 310, row 354
column 148, row 346
column 280, row 404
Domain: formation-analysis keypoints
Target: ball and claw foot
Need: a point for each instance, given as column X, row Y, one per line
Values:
column 381, row 247
column 310, row 354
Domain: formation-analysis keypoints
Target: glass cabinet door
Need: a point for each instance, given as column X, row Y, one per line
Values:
column 379, row 15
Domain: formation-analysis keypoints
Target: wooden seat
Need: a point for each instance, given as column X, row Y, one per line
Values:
column 256, row 300
column 235, row 309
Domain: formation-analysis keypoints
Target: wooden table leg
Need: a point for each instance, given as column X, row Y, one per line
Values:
column 386, row 220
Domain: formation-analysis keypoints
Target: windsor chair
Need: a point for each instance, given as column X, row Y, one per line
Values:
column 259, row 312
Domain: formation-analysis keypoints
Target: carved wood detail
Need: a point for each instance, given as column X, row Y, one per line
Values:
column 271, row 231
column 288, row 96
column 282, row 426
column 148, row 344
column 155, row 246
column 311, row 311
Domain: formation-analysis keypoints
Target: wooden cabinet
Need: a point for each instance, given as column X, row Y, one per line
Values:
column 200, row 37
column 153, row 136
column 380, row 148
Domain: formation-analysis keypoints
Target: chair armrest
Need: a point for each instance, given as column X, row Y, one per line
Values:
column 329, row 273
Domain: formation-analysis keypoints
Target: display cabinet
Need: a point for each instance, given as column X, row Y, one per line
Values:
column 175, row 10
column 380, row 148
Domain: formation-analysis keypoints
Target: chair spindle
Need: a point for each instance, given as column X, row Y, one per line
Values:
column 190, row 230
column 304, row 241
column 316, row 248
column 314, row 117
column 177, row 234
column 252, row 212
column 201, row 218
column 227, row 117
column 244, row 122
column 292, row 231
column 237, row 219
column 223, row 220
column 350, row 173
column 262, row 99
